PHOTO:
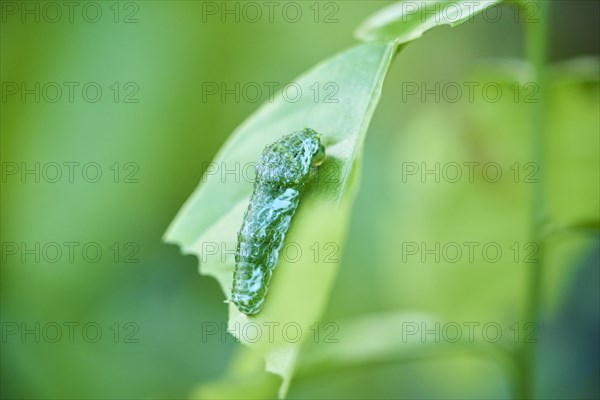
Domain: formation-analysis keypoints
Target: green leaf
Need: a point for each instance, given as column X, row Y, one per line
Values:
column 390, row 338
column 407, row 21
column 369, row 341
column 211, row 217
column 245, row 379
column 584, row 226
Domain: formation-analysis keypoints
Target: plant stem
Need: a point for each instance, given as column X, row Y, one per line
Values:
column 536, row 48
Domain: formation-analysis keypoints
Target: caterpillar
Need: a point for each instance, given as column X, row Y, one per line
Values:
column 281, row 174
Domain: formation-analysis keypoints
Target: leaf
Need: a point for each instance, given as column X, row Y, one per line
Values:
column 245, row 380
column 207, row 224
column 390, row 338
column 368, row 341
column 584, row 226
column 407, row 21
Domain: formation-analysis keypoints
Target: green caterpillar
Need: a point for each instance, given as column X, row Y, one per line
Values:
column 282, row 171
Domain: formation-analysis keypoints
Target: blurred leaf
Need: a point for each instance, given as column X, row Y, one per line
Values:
column 212, row 216
column 585, row 226
column 390, row 338
column 487, row 132
column 407, row 21
column 245, row 380
column 369, row 341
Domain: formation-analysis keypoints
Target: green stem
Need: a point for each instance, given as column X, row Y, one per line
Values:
column 536, row 47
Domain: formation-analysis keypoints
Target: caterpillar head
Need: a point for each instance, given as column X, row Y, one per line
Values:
column 288, row 161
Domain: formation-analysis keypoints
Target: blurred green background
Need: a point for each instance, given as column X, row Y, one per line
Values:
column 156, row 125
